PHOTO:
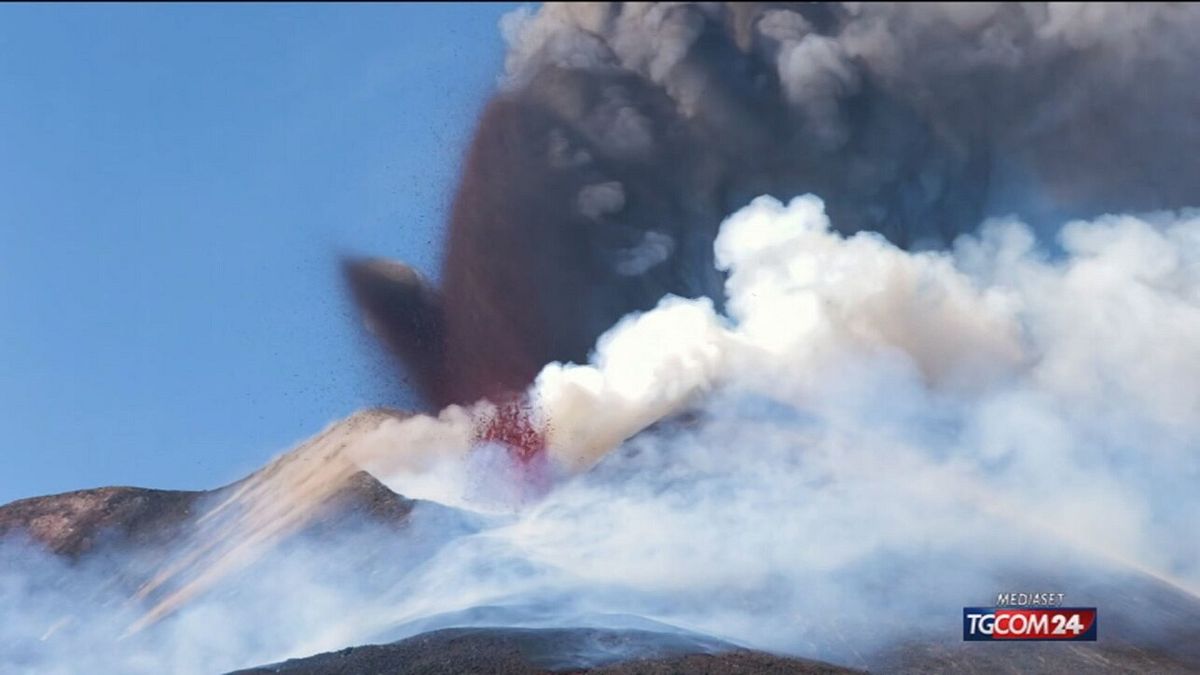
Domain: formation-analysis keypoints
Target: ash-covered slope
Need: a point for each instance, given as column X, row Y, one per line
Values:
column 1021, row 658
column 523, row 651
column 73, row 524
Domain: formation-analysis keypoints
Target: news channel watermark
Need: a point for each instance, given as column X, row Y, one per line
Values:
column 1030, row 616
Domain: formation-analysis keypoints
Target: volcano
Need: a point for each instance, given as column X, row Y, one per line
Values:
column 767, row 338
column 134, row 524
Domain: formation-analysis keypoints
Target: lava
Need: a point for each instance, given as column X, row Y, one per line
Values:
column 512, row 424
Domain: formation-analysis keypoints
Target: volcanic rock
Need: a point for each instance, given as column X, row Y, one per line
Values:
column 526, row 651
column 73, row 524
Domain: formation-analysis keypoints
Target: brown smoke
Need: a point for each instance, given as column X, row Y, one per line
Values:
column 625, row 132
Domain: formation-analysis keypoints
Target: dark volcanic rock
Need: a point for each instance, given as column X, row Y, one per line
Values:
column 520, row 651
column 73, row 523
column 527, row 651
column 76, row 523
column 982, row 658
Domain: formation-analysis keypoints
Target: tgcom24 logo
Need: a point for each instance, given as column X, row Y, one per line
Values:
column 1031, row 617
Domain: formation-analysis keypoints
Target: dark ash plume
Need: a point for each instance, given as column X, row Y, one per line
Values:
column 626, row 132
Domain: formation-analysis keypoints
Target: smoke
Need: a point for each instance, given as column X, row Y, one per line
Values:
column 867, row 440
column 874, row 436
column 624, row 133
column 899, row 114
column 64, row 618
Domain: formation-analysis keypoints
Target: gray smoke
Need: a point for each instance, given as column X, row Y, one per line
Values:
column 624, row 133
column 913, row 120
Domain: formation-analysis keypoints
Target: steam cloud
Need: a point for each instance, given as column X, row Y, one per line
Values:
column 874, row 435
column 800, row 427
column 624, row 133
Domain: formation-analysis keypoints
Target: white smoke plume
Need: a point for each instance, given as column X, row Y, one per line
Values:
column 871, row 435
column 863, row 417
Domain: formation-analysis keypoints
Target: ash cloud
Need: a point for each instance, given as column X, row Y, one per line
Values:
column 623, row 133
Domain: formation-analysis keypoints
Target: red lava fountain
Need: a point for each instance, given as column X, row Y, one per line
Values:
column 512, row 425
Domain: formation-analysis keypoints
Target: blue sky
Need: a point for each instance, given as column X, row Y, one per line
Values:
column 176, row 183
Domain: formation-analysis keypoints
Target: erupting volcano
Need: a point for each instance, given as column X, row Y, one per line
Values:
column 764, row 333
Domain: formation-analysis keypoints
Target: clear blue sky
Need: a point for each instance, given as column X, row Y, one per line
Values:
column 176, row 183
